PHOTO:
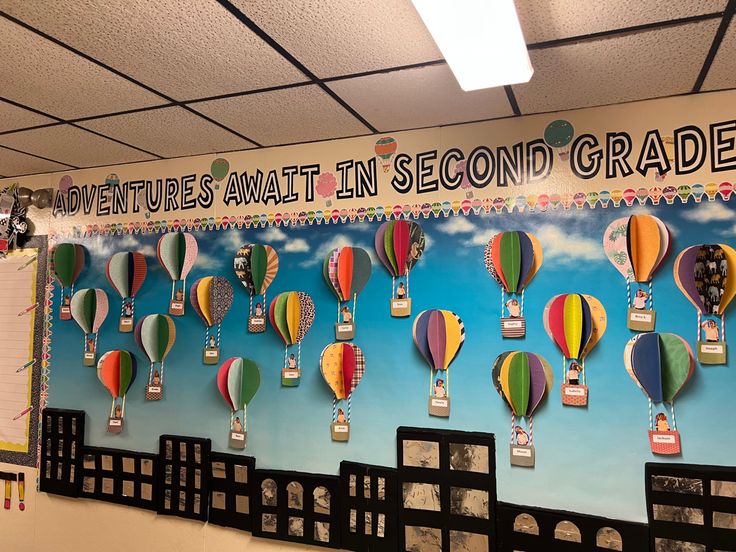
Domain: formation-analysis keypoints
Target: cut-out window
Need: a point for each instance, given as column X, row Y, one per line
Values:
column 268, row 495
column 321, row 501
column 381, row 526
column 197, row 478
column 129, row 465
column 218, row 500
column 183, row 476
column 74, row 450
column 368, row 523
column 353, row 484
column 182, row 501
column 128, row 488
column 183, row 452
column 242, row 504
column 295, row 493
column 322, row 531
column 241, row 474
column 107, row 485
column 71, row 473
column 296, row 526
column 197, row 502
column 609, row 538
column 353, row 521
column 366, row 486
column 147, row 466
column 268, row 523
column 88, row 485
column 146, row 491
column 106, row 462
column 525, row 523
column 218, row 470
column 381, row 488
column 568, row 531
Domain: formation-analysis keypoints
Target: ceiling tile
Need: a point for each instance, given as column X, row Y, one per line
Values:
column 612, row 70
column 422, row 97
column 555, row 19
column 12, row 117
column 40, row 74
column 722, row 73
column 169, row 132
column 184, row 49
column 14, row 163
column 285, row 116
column 338, row 38
column 72, row 145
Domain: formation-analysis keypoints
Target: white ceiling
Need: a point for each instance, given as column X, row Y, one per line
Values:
column 88, row 83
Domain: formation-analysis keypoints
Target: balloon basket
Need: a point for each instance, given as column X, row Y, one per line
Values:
column 641, row 320
column 712, row 352
column 126, row 324
column 344, row 331
column 211, row 355
column 256, row 324
column 90, row 359
column 513, row 327
column 665, row 442
column 401, row 307
column 154, row 392
column 237, row 440
column 176, row 308
column 522, row 455
column 65, row 313
column 439, row 407
column 114, row 425
column 340, row 431
column 574, row 395
column 290, row 378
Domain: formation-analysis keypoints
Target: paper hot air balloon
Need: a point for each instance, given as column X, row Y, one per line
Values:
column 155, row 335
column 291, row 314
column 661, row 365
column 211, row 297
column 67, row 262
column 177, row 253
column 238, row 380
column 438, row 335
column 637, row 246
column 346, row 271
column 558, row 135
column 513, row 259
column 385, row 150
column 399, row 245
column 126, row 272
column 89, row 310
column 342, row 366
column 116, row 370
column 256, row 266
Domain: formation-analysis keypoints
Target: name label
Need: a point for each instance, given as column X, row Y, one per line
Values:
column 235, row 436
column 527, row 453
column 66, row 310
column 718, row 349
column 640, row 317
column 666, row 439
column 341, row 429
column 177, row 305
column 512, row 324
column 575, row 391
column 439, row 402
column 345, row 327
column 89, row 356
column 400, row 304
column 210, row 353
column 154, row 388
column 291, row 374
column 256, row 320
column 116, row 423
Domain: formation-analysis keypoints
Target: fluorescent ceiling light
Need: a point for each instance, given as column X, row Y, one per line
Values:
column 480, row 39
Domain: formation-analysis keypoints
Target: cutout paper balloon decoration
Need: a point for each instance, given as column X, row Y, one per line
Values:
column 513, row 259
column 126, row 272
column 661, row 365
column 211, row 297
column 256, row 266
column 346, row 270
column 67, row 262
column 116, row 370
column 558, row 135
column 706, row 276
column 575, row 323
column 637, row 246
column 89, row 309
column 399, row 245
column 238, row 380
column 155, row 334
column 438, row 335
column 385, row 150
column 342, row 366
column 291, row 314
column 177, row 253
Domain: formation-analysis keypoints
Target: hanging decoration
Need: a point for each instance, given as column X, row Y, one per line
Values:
column 67, row 262
column 522, row 379
column 439, row 336
column 177, row 253
column 638, row 246
column 155, row 335
column 256, row 266
column 89, row 310
column 575, row 323
column 126, row 272
column 385, row 149
column 661, row 365
column 238, row 380
column 399, row 244
column 342, row 366
column 211, row 297
column 116, row 370
column 346, row 270
column 513, row 258
column 291, row 314
column 13, row 224
column 704, row 274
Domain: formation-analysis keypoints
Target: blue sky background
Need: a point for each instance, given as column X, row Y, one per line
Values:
column 588, row 460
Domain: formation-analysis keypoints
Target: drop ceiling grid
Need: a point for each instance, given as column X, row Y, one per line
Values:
column 13, row 117
column 16, row 163
column 722, row 73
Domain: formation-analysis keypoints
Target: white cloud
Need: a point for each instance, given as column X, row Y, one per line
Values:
column 481, row 237
column 565, row 248
column 297, row 245
column 729, row 232
column 233, row 241
column 456, row 225
column 711, row 211
column 205, row 260
column 338, row 240
column 272, row 234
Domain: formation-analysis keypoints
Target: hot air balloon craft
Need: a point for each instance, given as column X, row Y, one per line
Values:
column 439, row 336
column 346, row 270
column 399, row 244
column 238, row 380
column 67, row 262
column 155, row 335
column 638, row 246
column 522, row 379
column 116, row 370
column 342, row 366
column 291, row 314
column 256, row 266
column 661, row 365
column 558, row 135
column 211, row 297
column 126, row 272
column 513, row 259
column 89, row 310
column 575, row 323
column 385, row 150
column 177, row 253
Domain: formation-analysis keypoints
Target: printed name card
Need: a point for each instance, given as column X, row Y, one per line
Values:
column 575, row 391
column 512, row 324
